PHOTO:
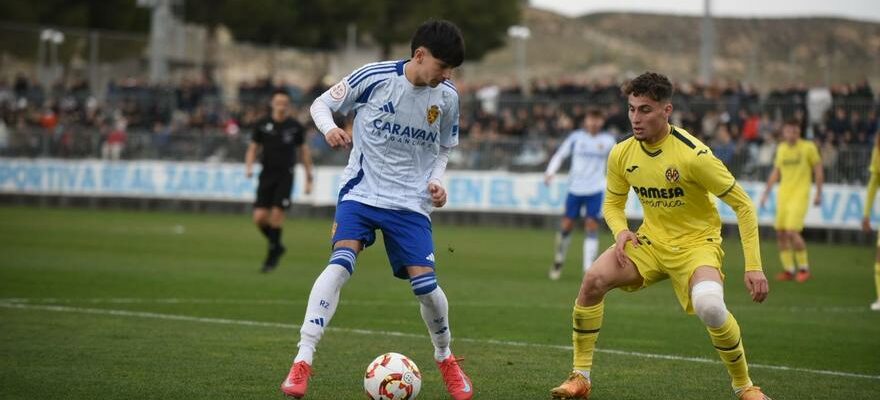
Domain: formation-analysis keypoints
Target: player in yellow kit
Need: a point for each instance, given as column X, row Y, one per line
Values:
column 873, row 183
column 673, row 175
column 796, row 160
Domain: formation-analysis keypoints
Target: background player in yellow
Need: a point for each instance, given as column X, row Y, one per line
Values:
column 672, row 173
column 873, row 183
column 797, row 161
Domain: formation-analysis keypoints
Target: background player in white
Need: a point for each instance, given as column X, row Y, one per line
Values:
column 406, row 122
column 588, row 149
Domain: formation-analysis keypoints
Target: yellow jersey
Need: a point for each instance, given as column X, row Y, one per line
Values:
column 674, row 181
column 795, row 163
column 874, row 182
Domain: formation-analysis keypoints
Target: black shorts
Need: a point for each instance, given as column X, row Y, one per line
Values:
column 274, row 189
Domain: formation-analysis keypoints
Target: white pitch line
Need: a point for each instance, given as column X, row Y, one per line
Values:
column 558, row 306
column 225, row 321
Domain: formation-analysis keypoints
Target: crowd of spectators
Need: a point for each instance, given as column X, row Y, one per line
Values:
column 508, row 127
column 741, row 124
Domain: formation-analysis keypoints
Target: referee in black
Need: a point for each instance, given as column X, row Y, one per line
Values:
column 280, row 137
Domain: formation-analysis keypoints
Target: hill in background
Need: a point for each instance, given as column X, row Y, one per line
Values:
column 761, row 51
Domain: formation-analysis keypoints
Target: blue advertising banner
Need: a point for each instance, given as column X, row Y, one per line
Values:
column 483, row 191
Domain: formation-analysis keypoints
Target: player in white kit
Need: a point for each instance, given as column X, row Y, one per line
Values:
column 406, row 121
column 588, row 149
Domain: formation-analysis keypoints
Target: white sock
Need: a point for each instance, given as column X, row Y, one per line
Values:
column 591, row 246
column 435, row 312
column 322, row 303
column 563, row 240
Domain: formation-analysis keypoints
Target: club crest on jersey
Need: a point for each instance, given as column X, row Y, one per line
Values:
column 672, row 175
column 433, row 113
column 338, row 91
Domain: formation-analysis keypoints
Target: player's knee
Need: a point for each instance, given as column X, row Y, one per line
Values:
column 782, row 238
column 708, row 300
column 591, row 226
column 566, row 225
column 595, row 284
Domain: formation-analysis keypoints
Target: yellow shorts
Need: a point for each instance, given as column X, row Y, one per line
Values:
column 790, row 214
column 656, row 262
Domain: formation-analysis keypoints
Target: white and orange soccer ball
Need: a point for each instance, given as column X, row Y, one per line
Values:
column 392, row 376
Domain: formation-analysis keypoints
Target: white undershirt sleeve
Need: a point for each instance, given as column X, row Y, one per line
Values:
column 440, row 165
column 561, row 154
column 322, row 116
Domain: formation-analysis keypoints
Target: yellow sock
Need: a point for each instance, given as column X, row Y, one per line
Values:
column 728, row 343
column 877, row 278
column 800, row 257
column 586, row 321
column 787, row 259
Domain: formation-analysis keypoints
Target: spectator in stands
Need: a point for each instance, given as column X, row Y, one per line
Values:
column 115, row 142
column 723, row 146
column 161, row 138
column 617, row 121
column 21, row 86
column 838, row 123
column 828, row 152
column 872, row 124
column 751, row 126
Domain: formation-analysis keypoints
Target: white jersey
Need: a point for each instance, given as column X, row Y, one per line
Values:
column 589, row 156
column 398, row 131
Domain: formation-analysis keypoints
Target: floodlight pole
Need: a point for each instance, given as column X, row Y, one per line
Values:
column 160, row 24
column 707, row 43
column 520, row 34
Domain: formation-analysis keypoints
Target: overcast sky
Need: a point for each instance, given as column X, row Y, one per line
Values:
column 856, row 9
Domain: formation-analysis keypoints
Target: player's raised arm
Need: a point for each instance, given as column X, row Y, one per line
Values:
column 322, row 114
column 342, row 97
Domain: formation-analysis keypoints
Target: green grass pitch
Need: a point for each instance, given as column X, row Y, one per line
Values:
column 122, row 305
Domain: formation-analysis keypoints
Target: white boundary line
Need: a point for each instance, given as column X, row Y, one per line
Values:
column 225, row 321
column 173, row 300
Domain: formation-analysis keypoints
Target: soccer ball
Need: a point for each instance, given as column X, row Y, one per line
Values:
column 392, row 376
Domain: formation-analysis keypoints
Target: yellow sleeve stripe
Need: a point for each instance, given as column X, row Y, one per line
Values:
column 728, row 189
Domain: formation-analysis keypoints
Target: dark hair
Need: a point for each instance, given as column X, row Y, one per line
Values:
column 442, row 38
column 793, row 122
column 281, row 92
column 595, row 112
column 651, row 84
